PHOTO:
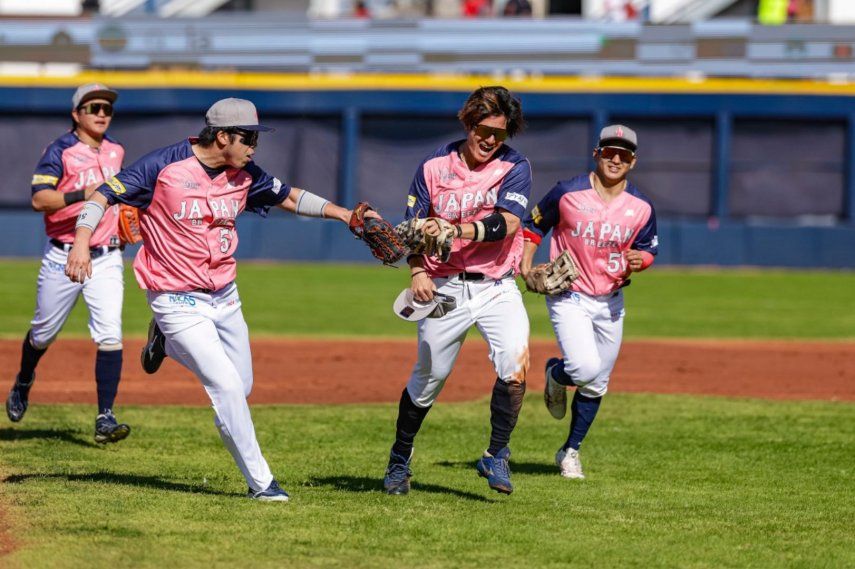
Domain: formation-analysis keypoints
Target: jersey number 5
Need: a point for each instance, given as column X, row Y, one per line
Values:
column 616, row 264
column 225, row 239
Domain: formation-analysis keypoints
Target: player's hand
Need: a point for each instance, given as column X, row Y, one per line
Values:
column 79, row 264
column 432, row 227
column 422, row 286
column 634, row 260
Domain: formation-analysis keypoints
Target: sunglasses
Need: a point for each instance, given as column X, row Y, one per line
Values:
column 483, row 131
column 246, row 137
column 609, row 152
column 95, row 108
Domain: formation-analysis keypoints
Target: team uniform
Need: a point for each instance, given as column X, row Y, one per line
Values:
column 187, row 268
column 588, row 319
column 478, row 275
column 70, row 165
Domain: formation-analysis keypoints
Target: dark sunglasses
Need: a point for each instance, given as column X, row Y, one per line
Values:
column 95, row 108
column 485, row 132
column 609, row 152
column 246, row 137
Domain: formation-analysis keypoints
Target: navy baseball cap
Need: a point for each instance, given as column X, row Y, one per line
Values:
column 234, row 113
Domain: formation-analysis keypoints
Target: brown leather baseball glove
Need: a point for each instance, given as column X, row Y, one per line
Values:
column 552, row 278
column 384, row 242
column 129, row 225
column 415, row 237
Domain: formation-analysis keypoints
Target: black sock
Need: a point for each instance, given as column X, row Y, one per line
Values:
column 504, row 409
column 30, row 357
column 108, row 370
column 410, row 417
column 583, row 410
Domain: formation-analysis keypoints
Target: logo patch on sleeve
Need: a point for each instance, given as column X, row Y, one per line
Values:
column 117, row 186
column 277, row 185
column 536, row 215
column 519, row 198
column 411, row 201
column 39, row 179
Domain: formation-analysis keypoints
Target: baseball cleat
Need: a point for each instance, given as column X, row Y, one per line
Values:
column 398, row 474
column 18, row 400
column 272, row 493
column 555, row 394
column 154, row 350
column 569, row 463
column 109, row 430
column 496, row 470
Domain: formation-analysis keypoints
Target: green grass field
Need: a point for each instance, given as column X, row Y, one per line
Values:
column 673, row 481
column 339, row 300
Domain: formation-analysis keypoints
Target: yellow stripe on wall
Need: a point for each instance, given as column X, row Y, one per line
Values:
column 424, row 82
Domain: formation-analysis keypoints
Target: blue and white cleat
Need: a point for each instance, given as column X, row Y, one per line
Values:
column 272, row 493
column 18, row 400
column 398, row 474
column 109, row 430
column 496, row 470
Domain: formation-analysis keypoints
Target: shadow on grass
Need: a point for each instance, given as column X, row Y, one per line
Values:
column 123, row 479
column 516, row 467
column 64, row 435
column 366, row 484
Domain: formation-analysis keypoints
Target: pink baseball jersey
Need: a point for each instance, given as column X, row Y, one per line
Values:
column 594, row 232
column 68, row 165
column 445, row 187
column 187, row 216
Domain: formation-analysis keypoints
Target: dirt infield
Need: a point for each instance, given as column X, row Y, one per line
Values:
column 349, row 371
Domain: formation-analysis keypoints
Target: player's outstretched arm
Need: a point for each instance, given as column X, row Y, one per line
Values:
column 79, row 263
column 308, row 204
column 49, row 201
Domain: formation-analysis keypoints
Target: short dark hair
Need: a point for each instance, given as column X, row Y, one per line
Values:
column 209, row 135
column 492, row 101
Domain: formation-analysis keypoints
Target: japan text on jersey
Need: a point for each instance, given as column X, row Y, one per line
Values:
column 188, row 216
column 595, row 233
column 69, row 165
column 444, row 186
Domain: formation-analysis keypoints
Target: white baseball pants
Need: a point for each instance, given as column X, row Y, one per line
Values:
column 496, row 308
column 589, row 330
column 207, row 334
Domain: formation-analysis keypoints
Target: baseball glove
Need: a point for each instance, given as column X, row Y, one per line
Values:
column 381, row 237
column 415, row 237
column 129, row 225
column 552, row 278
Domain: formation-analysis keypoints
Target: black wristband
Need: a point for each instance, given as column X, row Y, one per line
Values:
column 74, row 197
column 458, row 231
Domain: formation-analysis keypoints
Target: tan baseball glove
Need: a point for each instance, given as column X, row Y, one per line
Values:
column 414, row 234
column 129, row 225
column 552, row 278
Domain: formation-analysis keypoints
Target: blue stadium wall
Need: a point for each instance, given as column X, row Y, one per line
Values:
column 737, row 177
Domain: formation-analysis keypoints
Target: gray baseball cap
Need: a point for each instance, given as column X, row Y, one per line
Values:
column 237, row 113
column 92, row 91
column 618, row 135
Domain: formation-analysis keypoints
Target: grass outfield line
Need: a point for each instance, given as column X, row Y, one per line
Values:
column 301, row 299
column 672, row 481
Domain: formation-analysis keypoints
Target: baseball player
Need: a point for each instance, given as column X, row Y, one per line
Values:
column 609, row 228
column 70, row 169
column 482, row 186
column 190, row 194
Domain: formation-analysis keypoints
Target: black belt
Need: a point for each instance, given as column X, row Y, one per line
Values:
column 467, row 276
column 94, row 252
